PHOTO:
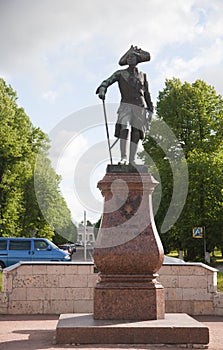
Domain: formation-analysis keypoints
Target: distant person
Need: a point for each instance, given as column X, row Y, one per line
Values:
column 136, row 108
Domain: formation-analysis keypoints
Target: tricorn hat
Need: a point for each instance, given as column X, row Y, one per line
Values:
column 142, row 56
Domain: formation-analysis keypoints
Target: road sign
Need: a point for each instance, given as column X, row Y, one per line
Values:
column 198, row 232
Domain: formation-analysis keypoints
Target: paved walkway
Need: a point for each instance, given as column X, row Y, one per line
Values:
column 31, row 332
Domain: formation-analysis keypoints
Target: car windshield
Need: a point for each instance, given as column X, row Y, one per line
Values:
column 53, row 245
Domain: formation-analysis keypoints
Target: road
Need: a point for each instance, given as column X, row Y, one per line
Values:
column 79, row 254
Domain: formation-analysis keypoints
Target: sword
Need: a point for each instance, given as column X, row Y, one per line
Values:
column 114, row 143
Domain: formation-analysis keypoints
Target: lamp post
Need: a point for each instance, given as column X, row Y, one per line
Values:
column 85, row 252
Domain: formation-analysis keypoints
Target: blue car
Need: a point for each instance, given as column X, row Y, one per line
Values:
column 13, row 250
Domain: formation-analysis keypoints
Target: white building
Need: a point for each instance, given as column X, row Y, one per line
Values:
column 90, row 238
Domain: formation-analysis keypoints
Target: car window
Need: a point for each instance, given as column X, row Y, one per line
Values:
column 3, row 244
column 40, row 245
column 54, row 246
column 19, row 245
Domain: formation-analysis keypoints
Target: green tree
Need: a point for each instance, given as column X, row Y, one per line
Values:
column 50, row 200
column 20, row 146
column 194, row 112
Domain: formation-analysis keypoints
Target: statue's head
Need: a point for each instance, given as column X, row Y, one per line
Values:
column 132, row 59
column 134, row 56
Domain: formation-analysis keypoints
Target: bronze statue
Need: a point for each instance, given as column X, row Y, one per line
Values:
column 136, row 107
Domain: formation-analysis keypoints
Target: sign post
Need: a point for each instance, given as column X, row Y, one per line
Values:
column 199, row 232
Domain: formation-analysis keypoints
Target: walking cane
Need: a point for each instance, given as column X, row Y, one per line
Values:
column 107, row 132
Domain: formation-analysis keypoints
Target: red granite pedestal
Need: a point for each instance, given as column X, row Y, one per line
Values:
column 128, row 250
column 130, row 299
column 179, row 329
column 129, row 305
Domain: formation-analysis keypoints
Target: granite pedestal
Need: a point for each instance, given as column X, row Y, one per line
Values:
column 178, row 329
column 128, row 251
column 129, row 303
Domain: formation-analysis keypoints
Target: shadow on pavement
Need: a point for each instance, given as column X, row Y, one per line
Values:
column 35, row 340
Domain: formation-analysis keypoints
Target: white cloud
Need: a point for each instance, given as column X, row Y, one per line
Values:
column 53, row 41
column 194, row 67
column 57, row 52
column 33, row 30
column 50, row 96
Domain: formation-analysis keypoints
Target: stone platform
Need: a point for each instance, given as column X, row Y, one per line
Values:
column 177, row 329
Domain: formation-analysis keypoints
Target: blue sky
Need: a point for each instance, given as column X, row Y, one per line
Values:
column 55, row 53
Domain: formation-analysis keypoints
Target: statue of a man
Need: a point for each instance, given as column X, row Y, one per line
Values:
column 135, row 101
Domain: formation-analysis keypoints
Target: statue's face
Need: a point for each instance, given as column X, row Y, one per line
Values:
column 132, row 60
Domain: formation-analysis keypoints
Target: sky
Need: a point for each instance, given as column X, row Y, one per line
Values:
column 55, row 53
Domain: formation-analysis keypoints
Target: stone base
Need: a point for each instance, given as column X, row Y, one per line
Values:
column 175, row 329
column 129, row 303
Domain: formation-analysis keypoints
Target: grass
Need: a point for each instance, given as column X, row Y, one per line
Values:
column 217, row 257
column 173, row 254
column 220, row 282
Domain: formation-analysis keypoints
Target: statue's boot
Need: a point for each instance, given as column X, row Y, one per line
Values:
column 133, row 150
column 123, row 151
column 135, row 136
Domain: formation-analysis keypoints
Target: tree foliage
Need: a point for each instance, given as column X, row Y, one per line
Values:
column 20, row 145
column 194, row 112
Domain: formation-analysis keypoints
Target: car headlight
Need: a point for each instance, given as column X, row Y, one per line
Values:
column 67, row 257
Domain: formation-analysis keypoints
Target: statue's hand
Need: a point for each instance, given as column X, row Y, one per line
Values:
column 101, row 93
